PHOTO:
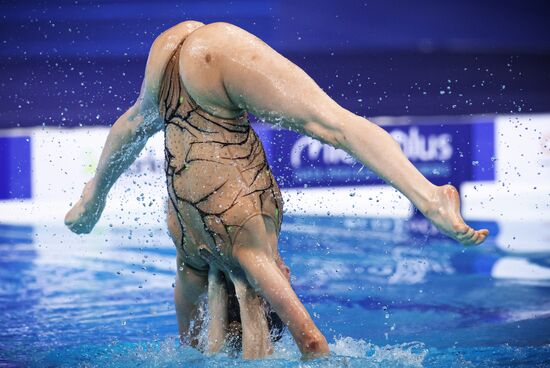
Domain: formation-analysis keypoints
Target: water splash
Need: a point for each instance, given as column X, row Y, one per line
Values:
column 345, row 352
column 369, row 355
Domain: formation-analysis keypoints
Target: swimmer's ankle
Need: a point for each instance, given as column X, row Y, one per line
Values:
column 430, row 201
column 94, row 192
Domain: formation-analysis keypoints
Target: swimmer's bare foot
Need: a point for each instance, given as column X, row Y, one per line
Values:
column 82, row 218
column 444, row 211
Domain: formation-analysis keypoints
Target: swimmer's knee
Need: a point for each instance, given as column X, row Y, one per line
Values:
column 328, row 125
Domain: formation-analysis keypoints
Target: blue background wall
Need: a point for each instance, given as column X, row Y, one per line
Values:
column 81, row 62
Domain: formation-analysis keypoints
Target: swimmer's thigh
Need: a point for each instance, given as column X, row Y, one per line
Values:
column 226, row 65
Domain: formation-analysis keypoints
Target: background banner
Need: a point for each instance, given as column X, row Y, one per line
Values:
column 444, row 153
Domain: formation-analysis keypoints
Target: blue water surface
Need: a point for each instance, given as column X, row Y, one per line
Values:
column 384, row 295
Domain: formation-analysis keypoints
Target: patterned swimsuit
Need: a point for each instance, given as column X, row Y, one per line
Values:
column 217, row 173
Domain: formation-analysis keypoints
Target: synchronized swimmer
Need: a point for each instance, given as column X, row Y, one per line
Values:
column 225, row 207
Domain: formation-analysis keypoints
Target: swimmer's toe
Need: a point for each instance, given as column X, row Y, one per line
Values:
column 483, row 234
column 474, row 237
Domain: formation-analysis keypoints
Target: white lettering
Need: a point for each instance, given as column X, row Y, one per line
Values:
column 316, row 150
column 417, row 147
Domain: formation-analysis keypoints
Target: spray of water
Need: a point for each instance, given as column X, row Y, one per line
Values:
column 345, row 352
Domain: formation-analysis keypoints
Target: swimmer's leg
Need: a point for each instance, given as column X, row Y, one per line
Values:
column 217, row 310
column 258, row 79
column 254, row 252
column 190, row 287
column 256, row 341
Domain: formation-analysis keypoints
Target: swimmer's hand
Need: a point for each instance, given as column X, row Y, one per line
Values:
column 82, row 218
column 444, row 212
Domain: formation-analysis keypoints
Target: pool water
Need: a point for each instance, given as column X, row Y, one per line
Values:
column 383, row 294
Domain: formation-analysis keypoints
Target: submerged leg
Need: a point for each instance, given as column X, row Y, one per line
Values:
column 217, row 310
column 190, row 287
column 256, row 340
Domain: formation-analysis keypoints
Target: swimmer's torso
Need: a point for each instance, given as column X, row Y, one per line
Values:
column 217, row 173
